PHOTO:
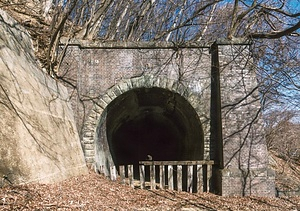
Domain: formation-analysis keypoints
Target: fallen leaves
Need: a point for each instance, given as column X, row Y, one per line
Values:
column 95, row 192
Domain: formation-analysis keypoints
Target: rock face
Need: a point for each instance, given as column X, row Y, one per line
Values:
column 38, row 137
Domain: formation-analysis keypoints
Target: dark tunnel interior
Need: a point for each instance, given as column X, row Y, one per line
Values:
column 156, row 122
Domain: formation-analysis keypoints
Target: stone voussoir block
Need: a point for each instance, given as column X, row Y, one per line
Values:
column 87, row 140
column 93, row 115
column 156, row 81
column 89, row 146
column 89, row 134
column 90, row 124
column 102, row 103
column 148, row 81
column 123, row 86
column 138, row 82
column 193, row 100
column 187, row 93
column 106, row 98
column 175, row 87
column 98, row 109
column 89, row 152
column 163, row 82
column 117, row 90
column 129, row 83
column 112, row 93
column 181, row 89
column 170, row 84
column 89, row 160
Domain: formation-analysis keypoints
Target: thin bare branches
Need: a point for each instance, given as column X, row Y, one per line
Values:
column 277, row 34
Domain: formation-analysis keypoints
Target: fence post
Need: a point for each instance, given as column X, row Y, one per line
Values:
column 113, row 173
column 142, row 176
column 130, row 175
column 152, row 177
column 179, row 177
column 199, row 179
column 199, row 175
column 122, row 173
column 190, row 179
column 162, row 181
column 101, row 169
column 170, row 177
column 209, row 174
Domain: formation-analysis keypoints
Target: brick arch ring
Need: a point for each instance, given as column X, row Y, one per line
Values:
column 98, row 113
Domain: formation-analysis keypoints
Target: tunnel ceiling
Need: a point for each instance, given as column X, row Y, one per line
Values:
column 153, row 121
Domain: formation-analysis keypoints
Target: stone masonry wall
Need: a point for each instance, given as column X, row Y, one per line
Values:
column 103, row 71
column 246, row 169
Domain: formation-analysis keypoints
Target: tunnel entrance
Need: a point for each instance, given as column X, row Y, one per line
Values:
column 155, row 122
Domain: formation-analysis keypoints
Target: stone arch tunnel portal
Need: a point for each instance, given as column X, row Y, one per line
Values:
column 153, row 121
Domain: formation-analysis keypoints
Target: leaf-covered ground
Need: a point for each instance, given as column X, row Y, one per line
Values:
column 94, row 192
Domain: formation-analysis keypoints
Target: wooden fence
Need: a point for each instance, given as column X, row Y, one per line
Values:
column 190, row 176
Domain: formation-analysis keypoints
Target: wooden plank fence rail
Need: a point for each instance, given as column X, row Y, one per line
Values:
column 190, row 176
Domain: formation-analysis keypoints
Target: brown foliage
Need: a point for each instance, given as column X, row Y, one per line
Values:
column 94, row 192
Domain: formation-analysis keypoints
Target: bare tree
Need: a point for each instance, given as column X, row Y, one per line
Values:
column 282, row 134
column 188, row 20
column 271, row 25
